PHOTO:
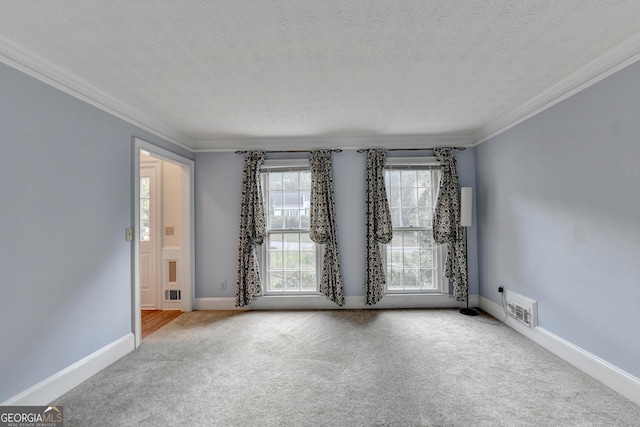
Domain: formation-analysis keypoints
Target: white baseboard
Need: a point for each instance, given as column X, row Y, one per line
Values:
column 51, row 388
column 319, row 302
column 611, row 376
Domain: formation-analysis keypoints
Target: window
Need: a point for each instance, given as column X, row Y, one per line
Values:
column 290, row 259
column 145, row 199
column 413, row 262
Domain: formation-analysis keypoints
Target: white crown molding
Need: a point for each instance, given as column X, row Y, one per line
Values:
column 327, row 142
column 39, row 68
column 623, row 55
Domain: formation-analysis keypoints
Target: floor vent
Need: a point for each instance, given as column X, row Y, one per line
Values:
column 172, row 295
column 523, row 309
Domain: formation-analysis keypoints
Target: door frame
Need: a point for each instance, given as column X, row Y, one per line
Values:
column 187, row 223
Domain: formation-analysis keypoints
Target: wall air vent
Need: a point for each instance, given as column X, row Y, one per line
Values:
column 172, row 295
column 523, row 309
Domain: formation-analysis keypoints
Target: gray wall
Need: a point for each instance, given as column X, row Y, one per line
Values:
column 65, row 201
column 559, row 213
column 218, row 188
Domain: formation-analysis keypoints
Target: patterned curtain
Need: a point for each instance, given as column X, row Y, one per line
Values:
column 379, row 228
column 323, row 224
column 446, row 224
column 252, row 230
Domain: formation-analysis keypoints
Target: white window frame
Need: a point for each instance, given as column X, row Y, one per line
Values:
column 284, row 165
column 441, row 282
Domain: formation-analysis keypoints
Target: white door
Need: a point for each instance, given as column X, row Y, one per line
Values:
column 148, row 237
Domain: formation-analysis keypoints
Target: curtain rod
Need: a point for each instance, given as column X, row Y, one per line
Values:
column 334, row 150
column 339, row 150
column 362, row 150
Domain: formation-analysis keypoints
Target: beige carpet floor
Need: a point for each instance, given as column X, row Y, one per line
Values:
column 342, row 368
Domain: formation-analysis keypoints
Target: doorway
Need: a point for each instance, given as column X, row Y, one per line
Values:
column 163, row 250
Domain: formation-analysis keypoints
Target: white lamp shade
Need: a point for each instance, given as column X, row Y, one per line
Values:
column 466, row 206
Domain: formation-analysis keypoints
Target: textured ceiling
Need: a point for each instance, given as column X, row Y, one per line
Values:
column 211, row 74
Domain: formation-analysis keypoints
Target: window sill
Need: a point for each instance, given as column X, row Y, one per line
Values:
column 285, row 295
column 413, row 293
column 293, row 302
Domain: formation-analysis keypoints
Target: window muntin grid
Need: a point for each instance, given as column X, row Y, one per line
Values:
column 290, row 258
column 412, row 260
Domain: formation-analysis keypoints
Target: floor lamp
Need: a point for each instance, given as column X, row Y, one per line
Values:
column 466, row 199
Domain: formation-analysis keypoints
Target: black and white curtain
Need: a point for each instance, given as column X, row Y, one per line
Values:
column 323, row 224
column 378, row 223
column 252, row 230
column 446, row 224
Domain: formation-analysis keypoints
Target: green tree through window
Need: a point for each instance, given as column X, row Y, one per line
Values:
column 411, row 256
column 290, row 257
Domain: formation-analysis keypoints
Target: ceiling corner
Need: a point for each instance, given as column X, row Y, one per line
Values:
column 40, row 69
column 623, row 55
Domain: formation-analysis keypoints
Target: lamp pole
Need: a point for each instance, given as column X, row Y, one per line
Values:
column 466, row 213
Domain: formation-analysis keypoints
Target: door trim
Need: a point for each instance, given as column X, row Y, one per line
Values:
column 187, row 196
